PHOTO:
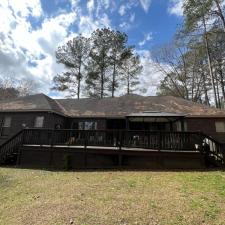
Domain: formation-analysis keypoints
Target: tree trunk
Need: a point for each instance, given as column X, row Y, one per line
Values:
column 79, row 80
column 222, row 85
column 209, row 60
column 220, row 13
column 102, row 83
column 78, row 89
column 128, row 84
column 102, row 75
column 205, row 90
column 218, row 93
column 114, row 79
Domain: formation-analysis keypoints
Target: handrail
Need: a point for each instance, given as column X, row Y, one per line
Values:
column 116, row 130
column 12, row 137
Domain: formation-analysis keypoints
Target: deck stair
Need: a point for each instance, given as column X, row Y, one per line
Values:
column 9, row 149
column 213, row 151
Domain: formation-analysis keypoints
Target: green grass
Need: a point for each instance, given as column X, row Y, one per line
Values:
column 111, row 198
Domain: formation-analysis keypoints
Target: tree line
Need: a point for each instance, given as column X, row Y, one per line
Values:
column 10, row 87
column 193, row 64
column 97, row 66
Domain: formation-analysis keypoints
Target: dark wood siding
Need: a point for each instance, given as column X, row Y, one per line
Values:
column 207, row 126
column 28, row 118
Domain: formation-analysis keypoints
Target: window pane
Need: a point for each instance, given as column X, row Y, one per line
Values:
column 81, row 125
column 7, row 122
column 87, row 125
column 185, row 126
column 220, row 127
column 39, row 121
column 90, row 125
column 178, row 124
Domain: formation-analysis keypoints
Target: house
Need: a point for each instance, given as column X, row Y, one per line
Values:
column 126, row 113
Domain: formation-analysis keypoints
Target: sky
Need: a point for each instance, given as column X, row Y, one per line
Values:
column 31, row 31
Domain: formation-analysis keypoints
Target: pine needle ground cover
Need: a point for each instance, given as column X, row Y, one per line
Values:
column 30, row 197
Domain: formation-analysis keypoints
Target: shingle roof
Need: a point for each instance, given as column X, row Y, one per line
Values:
column 127, row 104
column 38, row 102
column 110, row 107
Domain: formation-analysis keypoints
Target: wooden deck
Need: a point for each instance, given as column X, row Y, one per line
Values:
column 112, row 149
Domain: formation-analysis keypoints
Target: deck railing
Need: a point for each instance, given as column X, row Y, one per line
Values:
column 186, row 141
column 118, row 140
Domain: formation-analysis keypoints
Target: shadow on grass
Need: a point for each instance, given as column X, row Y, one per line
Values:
column 115, row 169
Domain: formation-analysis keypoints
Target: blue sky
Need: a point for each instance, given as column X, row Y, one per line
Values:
column 31, row 30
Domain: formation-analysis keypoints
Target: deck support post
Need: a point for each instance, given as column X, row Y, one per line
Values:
column 120, row 159
column 85, row 149
column 18, row 161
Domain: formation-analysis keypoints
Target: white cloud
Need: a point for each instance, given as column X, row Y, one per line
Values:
column 25, row 8
column 132, row 17
column 105, row 5
column 145, row 4
column 176, row 7
column 122, row 10
column 147, row 37
column 149, row 78
column 90, row 6
column 88, row 24
column 29, row 53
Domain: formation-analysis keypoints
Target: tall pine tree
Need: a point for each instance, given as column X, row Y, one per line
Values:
column 73, row 56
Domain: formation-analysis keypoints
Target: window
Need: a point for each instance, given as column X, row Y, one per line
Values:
column 90, row 126
column 87, row 125
column 185, row 126
column 7, row 121
column 6, row 126
column 178, row 124
column 39, row 121
column 220, row 127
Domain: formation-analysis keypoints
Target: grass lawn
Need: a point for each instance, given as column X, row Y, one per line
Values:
column 111, row 197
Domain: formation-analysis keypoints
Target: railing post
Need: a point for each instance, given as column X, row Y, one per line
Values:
column 19, row 151
column 120, row 140
column 85, row 148
column 53, row 138
column 148, row 138
column 200, row 142
column 120, row 149
column 223, row 152
column 23, row 137
column 160, row 140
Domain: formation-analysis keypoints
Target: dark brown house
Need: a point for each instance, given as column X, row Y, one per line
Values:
column 126, row 113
